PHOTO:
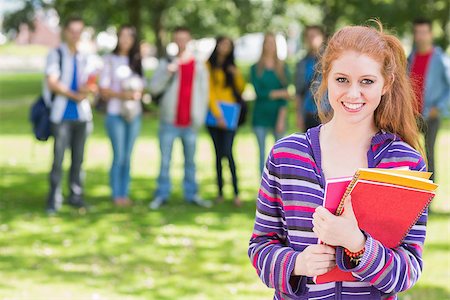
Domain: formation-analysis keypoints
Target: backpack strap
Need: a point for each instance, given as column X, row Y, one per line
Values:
column 59, row 51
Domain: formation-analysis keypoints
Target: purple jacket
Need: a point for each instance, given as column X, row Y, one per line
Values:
column 292, row 186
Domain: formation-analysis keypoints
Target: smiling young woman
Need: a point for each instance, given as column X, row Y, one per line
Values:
column 371, row 124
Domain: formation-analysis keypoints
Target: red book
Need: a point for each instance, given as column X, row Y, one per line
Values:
column 386, row 211
column 334, row 190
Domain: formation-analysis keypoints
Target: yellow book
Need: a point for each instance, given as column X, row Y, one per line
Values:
column 419, row 174
column 413, row 179
column 417, row 180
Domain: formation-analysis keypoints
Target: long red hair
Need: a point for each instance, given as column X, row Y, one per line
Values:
column 395, row 113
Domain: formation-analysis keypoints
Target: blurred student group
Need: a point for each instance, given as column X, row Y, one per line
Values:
column 193, row 93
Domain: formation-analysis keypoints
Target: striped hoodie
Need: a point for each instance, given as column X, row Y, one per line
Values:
column 292, row 186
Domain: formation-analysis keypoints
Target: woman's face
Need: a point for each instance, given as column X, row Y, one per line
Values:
column 224, row 47
column 355, row 87
column 270, row 45
column 126, row 39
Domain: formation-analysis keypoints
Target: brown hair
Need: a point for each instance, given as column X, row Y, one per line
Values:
column 395, row 113
column 70, row 20
column 314, row 27
column 279, row 64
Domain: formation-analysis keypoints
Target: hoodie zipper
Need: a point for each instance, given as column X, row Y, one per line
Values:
column 338, row 291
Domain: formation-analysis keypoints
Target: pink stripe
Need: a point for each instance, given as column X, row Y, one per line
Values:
column 408, row 278
column 417, row 246
column 375, row 147
column 294, row 156
column 382, row 270
column 371, row 258
column 271, row 199
column 299, row 208
column 394, row 164
column 283, row 276
column 255, row 260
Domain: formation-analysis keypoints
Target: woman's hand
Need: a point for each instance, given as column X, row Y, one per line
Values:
column 280, row 127
column 232, row 69
column 129, row 95
column 221, row 123
column 300, row 122
column 279, row 94
column 340, row 230
column 315, row 260
column 137, row 95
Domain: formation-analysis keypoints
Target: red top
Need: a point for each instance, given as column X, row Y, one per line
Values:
column 417, row 75
column 183, row 117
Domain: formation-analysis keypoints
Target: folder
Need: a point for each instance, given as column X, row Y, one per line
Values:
column 230, row 113
column 386, row 202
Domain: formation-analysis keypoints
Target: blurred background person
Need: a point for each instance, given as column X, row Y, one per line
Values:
column 65, row 91
column 306, row 78
column 183, row 105
column 429, row 70
column 270, row 78
column 226, row 85
column 121, row 85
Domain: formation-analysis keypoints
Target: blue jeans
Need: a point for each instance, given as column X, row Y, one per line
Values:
column 123, row 134
column 167, row 135
column 261, row 133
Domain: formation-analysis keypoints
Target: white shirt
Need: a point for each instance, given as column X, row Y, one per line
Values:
column 115, row 73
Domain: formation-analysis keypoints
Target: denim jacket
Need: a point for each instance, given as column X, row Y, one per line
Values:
column 437, row 82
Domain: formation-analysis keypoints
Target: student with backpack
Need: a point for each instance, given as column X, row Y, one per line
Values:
column 70, row 113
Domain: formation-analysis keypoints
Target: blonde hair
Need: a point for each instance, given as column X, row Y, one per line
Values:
column 279, row 64
column 395, row 113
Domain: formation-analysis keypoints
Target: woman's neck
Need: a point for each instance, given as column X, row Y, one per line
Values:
column 351, row 134
column 123, row 53
column 220, row 60
column 268, row 61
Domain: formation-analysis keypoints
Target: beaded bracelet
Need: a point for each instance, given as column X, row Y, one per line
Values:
column 354, row 254
column 355, row 257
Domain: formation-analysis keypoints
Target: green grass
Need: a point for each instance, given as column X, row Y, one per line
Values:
column 179, row 252
column 22, row 50
column 17, row 87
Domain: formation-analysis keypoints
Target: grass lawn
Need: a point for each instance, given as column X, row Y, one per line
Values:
column 178, row 252
column 22, row 50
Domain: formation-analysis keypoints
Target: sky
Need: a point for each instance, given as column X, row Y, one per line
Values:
column 10, row 5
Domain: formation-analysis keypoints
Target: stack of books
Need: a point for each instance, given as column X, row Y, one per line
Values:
column 386, row 202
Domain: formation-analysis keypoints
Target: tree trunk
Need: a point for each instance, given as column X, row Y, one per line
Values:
column 445, row 26
column 330, row 16
column 134, row 16
column 159, row 35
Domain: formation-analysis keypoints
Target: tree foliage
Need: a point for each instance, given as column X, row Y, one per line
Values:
column 156, row 18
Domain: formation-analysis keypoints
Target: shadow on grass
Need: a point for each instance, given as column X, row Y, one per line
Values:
column 425, row 293
column 132, row 251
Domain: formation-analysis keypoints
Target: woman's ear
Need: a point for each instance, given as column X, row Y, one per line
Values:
column 388, row 85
